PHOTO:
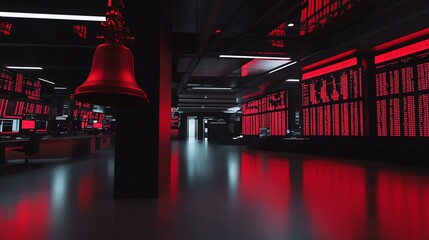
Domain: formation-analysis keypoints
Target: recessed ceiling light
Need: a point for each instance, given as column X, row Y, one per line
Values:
column 60, row 88
column 290, row 25
column 292, row 80
column 53, row 16
column 254, row 57
column 44, row 80
column 25, row 67
column 211, row 88
column 284, row 66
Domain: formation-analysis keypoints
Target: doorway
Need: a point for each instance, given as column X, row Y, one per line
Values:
column 192, row 128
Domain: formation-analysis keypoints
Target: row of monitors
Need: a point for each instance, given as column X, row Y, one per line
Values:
column 16, row 126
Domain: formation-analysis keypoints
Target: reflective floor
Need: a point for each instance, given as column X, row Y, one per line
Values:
column 221, row 192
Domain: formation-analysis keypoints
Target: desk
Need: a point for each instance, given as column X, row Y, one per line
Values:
column 4, row 143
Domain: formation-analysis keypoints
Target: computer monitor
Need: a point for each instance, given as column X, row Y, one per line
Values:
column 27, row 127
column 9, row 126
column 28, row 124
column 41, row 126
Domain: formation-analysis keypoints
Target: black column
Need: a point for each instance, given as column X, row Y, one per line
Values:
column 142, row 144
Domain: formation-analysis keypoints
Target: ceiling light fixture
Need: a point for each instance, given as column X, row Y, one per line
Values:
column 280, row 68
column 290, row 25
column 60, row 88
column 53, row 16
column 234, row 109
column 211, row 88
column 254, row 57
column 44, row 80
column 292, row 80
column 24, row 67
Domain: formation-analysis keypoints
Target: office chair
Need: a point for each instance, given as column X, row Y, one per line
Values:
column 31, row 147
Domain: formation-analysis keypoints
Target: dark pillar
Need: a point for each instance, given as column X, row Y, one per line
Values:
column 200, row 128
column 142, row 144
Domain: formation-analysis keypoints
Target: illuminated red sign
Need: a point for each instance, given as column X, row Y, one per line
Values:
column 331, row 68
column 401, row 52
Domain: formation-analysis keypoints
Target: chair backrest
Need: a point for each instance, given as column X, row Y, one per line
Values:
column 33, row 144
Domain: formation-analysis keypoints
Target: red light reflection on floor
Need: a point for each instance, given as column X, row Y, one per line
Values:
column 266, row 183
column 403, row 206
column 86, row 193
column 27, row 219
column 335, row 196
column 174, row 175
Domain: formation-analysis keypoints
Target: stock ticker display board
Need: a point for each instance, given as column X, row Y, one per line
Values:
column 402, row 91
column 269, row 111
column 332, row 99
column 20, row 95
column 317, row 14
column 20, row 86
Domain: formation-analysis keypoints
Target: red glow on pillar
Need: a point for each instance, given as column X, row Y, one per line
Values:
column 335, row 196
column 403, row 206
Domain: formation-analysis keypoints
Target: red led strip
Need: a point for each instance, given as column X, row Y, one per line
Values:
column 330, row 59
column 331, row 68
column 401, row 40
column 401, row 52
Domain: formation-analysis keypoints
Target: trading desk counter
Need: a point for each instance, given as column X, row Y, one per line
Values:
column 56, row 147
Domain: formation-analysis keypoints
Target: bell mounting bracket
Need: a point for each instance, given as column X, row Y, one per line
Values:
column 113, row 29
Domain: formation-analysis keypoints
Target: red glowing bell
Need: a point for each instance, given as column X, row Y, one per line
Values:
column 111, row 81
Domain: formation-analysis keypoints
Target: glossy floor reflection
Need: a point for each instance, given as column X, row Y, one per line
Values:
column 221, row 192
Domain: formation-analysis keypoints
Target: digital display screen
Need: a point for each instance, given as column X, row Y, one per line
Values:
column 17, row 108
column 41, row 126
column 269, row 111
column 19, row 85
column 316, row 14
column 402, row 91
column 9, row 126
column 28, row 124
column 332, row 100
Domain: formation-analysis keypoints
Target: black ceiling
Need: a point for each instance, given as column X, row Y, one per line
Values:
column 244, row 28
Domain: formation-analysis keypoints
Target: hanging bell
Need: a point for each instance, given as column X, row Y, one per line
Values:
column 111, row 81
